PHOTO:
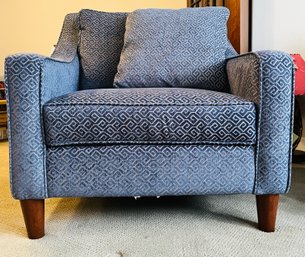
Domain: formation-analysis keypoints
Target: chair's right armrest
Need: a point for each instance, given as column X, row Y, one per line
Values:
column 31, row 80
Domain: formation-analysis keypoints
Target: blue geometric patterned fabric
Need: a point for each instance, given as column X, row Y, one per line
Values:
column 266, row 78
column 101, row 42
column 148, row 141
column 32, row 80
column 148, row 116
column 175, row 48
column 149, row 170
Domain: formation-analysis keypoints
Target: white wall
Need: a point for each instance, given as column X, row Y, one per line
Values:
column 279, row 25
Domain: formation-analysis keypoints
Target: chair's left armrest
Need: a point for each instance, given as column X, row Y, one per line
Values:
column 267, row 79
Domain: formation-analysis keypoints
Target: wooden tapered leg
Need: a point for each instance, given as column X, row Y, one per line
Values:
column 33, row 214
column 266, row 211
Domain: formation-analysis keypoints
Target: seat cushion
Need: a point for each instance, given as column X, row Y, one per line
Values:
column 101, row 42
column 149, row 116
column 175, row 48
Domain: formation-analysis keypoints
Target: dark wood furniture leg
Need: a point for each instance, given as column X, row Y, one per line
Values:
column 266, row 211
column 33, row 214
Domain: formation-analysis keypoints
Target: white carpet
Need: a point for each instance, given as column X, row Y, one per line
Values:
column 165, row 227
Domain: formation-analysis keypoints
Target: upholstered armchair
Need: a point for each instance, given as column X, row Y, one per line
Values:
column 150, row 103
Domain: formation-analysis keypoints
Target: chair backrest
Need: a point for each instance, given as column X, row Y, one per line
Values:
column 100, row 46
column 101, row 42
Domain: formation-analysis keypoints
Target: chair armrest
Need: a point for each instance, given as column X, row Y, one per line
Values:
column 32, row 80
column 267, row 79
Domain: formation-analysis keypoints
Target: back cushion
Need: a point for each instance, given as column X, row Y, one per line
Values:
column 101, row 42
column 175, row 48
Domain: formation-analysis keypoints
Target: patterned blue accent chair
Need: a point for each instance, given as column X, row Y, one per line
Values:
column 150, row 103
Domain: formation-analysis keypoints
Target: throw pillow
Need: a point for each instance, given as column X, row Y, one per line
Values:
column 175, row 48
